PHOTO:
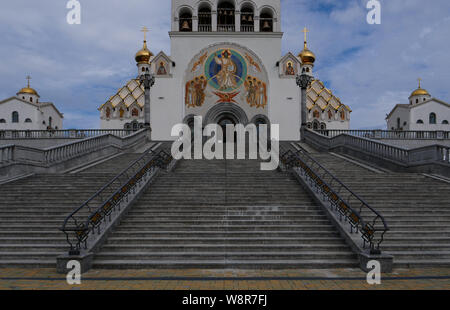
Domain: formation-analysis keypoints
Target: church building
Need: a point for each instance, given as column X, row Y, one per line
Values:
column 226, row 66
column 422, row 113
column 25, row 111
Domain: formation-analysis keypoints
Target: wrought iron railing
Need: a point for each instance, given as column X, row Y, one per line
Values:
column 388, row 134
column 87, row 219
column 350, row 207
column 61, row 134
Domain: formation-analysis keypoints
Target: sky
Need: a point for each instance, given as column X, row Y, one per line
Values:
column 370, row 67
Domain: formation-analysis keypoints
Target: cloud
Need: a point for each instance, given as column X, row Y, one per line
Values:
column 370, row 67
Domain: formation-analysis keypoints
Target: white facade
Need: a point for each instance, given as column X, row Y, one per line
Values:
column 226, row 66
column 423, row 113
column 26, row 112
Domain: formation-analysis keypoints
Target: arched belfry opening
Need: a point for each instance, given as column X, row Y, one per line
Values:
column 266, row 20
column 185, row 20
column 204, row 17
column 226, row 16
column 247, row 18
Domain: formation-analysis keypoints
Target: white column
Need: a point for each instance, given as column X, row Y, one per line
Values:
column 214, row 20
column 237, row 21
column 195, row 23
column 256, row 23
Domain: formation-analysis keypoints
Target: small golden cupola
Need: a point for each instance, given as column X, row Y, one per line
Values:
column 28, row 93
column 144, row 55
column 419, row 95
column 306, row 56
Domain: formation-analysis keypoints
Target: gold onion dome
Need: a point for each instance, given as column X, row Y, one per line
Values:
column 306, row 56
column 28, row 90
column 144, row 55
column 420, row 91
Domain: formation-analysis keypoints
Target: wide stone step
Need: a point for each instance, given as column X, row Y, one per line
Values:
column 214, row 247
column 229, row 236
column 226, row 264
column 103, row 255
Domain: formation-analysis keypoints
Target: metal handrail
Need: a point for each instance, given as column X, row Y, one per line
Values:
column 115, row 190
column 332, row 188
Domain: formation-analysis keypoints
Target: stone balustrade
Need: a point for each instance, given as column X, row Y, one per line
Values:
column 61, row 134
column 389, row 134
column 417, row 156
column 22, row 154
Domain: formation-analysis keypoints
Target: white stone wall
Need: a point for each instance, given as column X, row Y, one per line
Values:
column 26, row 110
column 423, row 112
column 404, row 115
column 167, row 100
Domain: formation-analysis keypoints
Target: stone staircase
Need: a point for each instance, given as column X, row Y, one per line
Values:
column 33, row 209
column 225, row 214
column 416, row 208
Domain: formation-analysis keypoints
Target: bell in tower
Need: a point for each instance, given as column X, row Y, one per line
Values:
column 185, row 26
column 266, row 26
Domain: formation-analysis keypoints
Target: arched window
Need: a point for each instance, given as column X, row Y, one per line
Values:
column 15, row 117
column 444, row 122
column 225, row 16
column 121, row 113
column 135, row 112
column 330, row 115
column 266, row 21
column 316, row 114
column 432, row 118
column 31, row 99
column 28, row 120
column 108, row 112
column 247, row 18
column 342, row 115
column 50, row 120
column 204, row 18
column 398, row 123
column 419, row 121
column 2, row 121
column 185, row 20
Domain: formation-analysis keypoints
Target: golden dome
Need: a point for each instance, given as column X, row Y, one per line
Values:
column 307, row 57
column 420, row 91
column 28, row 90
column 144, row 55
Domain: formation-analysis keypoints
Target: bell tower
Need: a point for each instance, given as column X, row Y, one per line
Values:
column 230, row 16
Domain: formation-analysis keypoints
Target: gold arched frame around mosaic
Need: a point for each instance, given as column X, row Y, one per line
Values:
column 264, row 77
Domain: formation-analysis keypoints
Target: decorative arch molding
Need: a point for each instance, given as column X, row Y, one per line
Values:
column 187, row 119
column 185, row 6
column 271, row 8
column 250, row 3
column 201, row 2
column 260, row 117
column 226, row 109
